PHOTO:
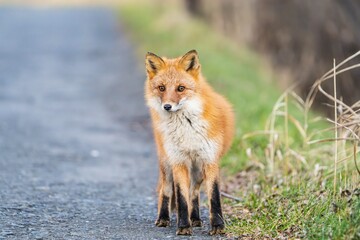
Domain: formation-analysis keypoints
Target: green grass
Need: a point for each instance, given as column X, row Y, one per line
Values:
column 293, row 201
column 297, row 211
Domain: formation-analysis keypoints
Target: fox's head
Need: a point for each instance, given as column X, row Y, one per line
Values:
column 172, row 84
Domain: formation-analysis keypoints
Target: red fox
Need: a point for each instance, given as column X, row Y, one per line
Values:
column 193, row 128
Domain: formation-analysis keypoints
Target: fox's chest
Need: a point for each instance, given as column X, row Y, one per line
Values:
column 186, row 138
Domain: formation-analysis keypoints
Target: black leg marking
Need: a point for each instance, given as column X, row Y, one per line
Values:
column 164, row 215
column 182, row 209
column 217, row 222
column 195, row 213
column 184, row 227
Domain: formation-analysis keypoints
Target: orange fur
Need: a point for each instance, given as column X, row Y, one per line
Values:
column 199, row 145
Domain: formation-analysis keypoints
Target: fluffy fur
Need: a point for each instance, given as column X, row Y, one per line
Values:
column 191, row 137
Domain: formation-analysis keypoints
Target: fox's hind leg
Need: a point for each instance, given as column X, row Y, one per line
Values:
column 212, row 180
column 165, row 189
column 197, row 176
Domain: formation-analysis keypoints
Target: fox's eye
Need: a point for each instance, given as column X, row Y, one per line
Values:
column 181, row 88
column 161, row 88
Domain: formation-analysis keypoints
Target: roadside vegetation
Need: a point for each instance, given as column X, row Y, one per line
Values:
column 294, row 172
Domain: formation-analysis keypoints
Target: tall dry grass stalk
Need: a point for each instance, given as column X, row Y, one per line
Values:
column 315, row 148
column 336, row 129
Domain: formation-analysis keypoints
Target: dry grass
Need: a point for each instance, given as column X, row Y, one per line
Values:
column 308, row 168
column 346, row 128
column 295, row 197
column 283, row 153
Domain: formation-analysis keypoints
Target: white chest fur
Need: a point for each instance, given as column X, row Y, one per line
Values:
column 185, row 135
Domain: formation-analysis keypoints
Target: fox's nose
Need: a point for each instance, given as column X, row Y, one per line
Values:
column 167, row 107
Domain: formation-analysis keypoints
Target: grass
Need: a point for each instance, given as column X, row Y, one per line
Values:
column 296, row 211
column 282, row 161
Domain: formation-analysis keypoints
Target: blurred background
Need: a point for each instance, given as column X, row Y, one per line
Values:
column 287, row 160
column 60, row 2
column 298, row 38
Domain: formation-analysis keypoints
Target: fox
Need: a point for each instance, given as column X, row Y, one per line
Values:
column 193, row 127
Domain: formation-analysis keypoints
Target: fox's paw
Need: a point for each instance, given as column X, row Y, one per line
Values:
column 162, row 223
column 196, row 223
column 219, row 229
column 184, row 231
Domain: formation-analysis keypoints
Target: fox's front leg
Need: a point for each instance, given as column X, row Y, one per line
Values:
column 196, row 180
column 165, row 189
column 212, row 180
column 181, row 188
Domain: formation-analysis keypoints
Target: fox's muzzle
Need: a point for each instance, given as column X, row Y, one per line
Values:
column 172, row 107
column 167, row 107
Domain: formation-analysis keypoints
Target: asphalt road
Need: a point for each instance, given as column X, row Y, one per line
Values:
column 77, row 159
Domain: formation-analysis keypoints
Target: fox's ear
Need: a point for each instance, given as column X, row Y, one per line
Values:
column 153, row 64
column 190, row 62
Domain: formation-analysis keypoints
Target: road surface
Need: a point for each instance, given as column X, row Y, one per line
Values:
column 77, row 159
